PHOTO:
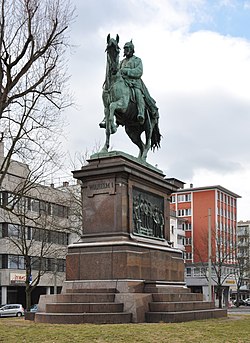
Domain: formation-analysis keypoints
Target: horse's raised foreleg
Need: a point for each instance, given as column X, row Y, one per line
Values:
column 112, row 108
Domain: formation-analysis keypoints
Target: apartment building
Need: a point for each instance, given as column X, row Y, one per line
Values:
column 35, row 224
column 211, row 209
column 243, row 244
column 177, row 231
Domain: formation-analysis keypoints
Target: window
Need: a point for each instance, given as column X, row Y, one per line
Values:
column 188, row 256
column 197, row 272
column 187, row 226
column 61, row 265
column 188, row 271
column 3, row 261
column 35, row 205
column 184, row 212
column 11, row 200
column 172, row 229
column 13, row 230
column 173, row 199
column 60, row 211
column 180, row 198
column 1, row 198
column 184, row 197
column 15, row 262
column 180, row 240
column 188, row 241
column 22, row 204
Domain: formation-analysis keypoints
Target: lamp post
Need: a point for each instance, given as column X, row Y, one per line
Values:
column 209, row 257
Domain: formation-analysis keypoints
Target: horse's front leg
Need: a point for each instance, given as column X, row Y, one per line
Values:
column 112, row 108
column 108, row 132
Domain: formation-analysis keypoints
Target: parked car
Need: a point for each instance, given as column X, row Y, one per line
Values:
column 247, row 302
column 241, row 302
column 34, row 308
column 10, row 310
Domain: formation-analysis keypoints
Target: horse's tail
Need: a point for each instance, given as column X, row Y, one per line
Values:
column 156, row 137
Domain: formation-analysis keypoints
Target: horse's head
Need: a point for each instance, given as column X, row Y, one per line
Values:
column 113, row 52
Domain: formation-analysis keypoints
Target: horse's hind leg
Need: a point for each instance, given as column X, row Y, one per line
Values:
column 135, row 137
column 148, row 134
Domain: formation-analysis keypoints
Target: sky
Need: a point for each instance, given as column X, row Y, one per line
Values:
column 196, row 61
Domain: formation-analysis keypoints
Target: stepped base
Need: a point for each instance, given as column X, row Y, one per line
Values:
column 184, row 316
column 87, row 318
column 132, row 301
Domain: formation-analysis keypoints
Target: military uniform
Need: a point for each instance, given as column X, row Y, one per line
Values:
column 133, row 71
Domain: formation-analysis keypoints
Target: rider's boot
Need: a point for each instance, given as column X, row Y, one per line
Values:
column 140, row 105
column 102, row 124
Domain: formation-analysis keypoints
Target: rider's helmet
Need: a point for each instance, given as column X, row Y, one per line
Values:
column 130, row 46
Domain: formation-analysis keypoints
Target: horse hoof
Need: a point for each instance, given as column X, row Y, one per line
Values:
column 104, row 150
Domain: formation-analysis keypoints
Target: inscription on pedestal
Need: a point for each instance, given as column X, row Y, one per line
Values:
column 148, row 214
column 100, row 187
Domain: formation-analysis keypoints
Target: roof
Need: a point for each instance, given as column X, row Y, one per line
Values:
column 207, row 188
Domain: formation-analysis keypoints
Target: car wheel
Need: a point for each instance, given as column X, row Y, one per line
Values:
column 19, row 314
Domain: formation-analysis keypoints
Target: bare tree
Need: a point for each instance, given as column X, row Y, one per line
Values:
column 33, row 83
column 222, row 261
column 33, row 93
column 38, row 232
column 241, row 273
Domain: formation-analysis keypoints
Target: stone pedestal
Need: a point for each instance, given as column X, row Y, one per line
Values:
column 118, row 242
column 124, row 269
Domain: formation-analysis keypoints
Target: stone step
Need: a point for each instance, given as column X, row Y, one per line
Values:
column 77, row 318
column 166, row 289
column 180, row 306
column 91, row 290
column 85, row 297
column 175, row 297
column 183, row 316
column 84, row 307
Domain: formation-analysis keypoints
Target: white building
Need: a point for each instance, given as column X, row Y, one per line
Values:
column 34, row 224
column 243, row 244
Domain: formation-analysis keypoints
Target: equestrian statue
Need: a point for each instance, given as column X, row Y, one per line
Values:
column 127, row 101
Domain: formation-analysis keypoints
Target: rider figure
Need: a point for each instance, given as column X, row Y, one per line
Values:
column 131, row 70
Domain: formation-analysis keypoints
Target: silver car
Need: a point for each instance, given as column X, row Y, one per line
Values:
column 10, row 310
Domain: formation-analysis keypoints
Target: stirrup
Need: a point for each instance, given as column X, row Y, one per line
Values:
column 141, row 119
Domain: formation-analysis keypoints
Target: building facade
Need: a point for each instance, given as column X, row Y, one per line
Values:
column 35, row 227
column 177, row 231
column 243, row 238
column 210, row 215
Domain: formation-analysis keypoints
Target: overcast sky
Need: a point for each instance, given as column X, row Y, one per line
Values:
column 196, row 59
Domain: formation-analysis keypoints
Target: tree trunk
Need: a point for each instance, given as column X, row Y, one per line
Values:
column 28, row 296
column 220, row 296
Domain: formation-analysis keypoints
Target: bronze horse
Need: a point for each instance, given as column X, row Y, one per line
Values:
column 121, row 109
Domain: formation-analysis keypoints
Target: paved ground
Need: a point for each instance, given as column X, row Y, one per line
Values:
column 241, row 309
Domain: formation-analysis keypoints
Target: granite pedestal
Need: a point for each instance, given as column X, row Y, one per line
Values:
column 125, row 256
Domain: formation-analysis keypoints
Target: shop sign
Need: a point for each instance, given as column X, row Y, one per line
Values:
column 230, row 282
column 17, row 277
